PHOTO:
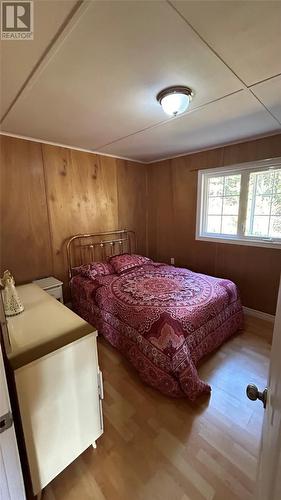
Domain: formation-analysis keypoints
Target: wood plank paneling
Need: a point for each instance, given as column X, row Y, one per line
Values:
column 255, row 269
column 267, row 147
column 172, row 189
column 50, row 193
column 132, row 202
column 25, row 237
column 197, row 255
column 160, row 211
column 82, row 197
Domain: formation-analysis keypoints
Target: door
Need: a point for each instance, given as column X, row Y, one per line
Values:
column 11, row 481
column 269, row 472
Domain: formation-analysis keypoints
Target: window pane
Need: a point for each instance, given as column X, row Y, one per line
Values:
column 256, row 211
column 229, row 224
column 264, row 182
column 215, row 187
column 275, row 227
column 260, row 225
column 262, row 205
column 215, row 205
column 276, row 205
column 231, row 205
column 252, row 180
column 277, row 181
column 232, row 185
column 214, row 224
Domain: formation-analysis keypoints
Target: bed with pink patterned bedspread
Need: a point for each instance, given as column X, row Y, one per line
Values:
column 163, row 319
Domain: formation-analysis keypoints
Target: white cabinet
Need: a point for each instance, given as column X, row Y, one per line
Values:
column 11, row 481
column 58, row 383
column 59, row 406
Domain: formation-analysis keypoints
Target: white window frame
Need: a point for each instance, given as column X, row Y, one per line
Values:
column 240, row 239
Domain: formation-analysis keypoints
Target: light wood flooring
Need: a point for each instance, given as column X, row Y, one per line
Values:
column 156, row 448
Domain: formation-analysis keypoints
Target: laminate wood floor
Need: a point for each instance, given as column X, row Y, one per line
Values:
column 156, row 448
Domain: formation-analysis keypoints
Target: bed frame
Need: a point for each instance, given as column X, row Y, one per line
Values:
column 85, row 248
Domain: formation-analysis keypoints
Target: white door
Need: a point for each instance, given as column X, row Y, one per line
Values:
column 269, row 473
column 11, row 482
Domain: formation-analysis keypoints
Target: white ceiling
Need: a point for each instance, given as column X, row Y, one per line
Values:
column 90, row 76
column 19, row 58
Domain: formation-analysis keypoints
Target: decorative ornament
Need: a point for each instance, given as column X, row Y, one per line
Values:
column 11, row 300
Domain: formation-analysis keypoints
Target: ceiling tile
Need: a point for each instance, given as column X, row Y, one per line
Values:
column 246, row 34
column 269, row 93
column 100, row 84
column 18, row 57
column 233, row 118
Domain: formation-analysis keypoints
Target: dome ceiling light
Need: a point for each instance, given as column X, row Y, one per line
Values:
column 175, row 100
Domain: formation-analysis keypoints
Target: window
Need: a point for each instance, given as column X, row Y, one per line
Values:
column 241, row 203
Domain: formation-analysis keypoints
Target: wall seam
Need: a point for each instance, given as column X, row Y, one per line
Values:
column 48, row 210
column 146, row 212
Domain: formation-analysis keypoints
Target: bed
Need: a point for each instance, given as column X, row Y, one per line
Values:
column 164, row 319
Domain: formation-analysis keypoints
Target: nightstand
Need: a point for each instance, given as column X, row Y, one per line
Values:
column 52, row 286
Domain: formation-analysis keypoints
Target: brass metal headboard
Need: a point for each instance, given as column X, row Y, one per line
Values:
column 85, row 248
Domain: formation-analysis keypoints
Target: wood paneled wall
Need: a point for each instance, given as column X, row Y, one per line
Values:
column 25, row 235
column 172, row 194
column 49, row 193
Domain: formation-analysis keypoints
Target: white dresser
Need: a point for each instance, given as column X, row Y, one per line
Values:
column 53, row 355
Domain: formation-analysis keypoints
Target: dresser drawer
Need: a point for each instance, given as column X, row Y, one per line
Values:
column 60, row 408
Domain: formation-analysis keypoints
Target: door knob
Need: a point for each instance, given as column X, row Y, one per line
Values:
column 253, row 393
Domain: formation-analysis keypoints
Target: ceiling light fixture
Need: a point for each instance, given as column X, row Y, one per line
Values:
column 175, row 100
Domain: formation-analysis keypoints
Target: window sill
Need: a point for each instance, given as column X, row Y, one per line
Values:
column 235, row 241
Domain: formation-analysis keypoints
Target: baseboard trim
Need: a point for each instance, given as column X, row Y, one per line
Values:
column 259, row 314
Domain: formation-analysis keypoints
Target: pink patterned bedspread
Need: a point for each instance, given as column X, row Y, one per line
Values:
column 163, row 319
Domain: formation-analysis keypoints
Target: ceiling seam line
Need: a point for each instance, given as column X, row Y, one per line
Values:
column 42, row 57
column 160, row 124
column 263, row 81
column 220, row 58
column 206, row 43
column 265, row 107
